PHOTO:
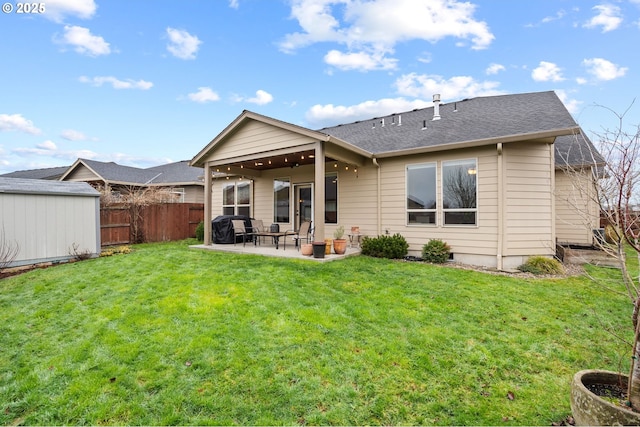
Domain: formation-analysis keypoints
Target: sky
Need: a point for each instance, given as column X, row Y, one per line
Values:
column 148, row 82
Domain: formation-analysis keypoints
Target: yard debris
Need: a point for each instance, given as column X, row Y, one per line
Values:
column 511, row 396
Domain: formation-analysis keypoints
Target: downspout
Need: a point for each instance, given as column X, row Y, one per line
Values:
column 207, row 204
column 378, row 198
column 500, row 208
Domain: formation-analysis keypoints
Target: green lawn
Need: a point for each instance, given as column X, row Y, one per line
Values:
column 171, row 335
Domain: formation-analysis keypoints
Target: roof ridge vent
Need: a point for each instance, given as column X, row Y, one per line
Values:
column 436, row 106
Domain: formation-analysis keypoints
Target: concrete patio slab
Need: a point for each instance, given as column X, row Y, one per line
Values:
column 268, row 250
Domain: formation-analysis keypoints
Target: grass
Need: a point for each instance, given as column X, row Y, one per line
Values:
column 168, row 335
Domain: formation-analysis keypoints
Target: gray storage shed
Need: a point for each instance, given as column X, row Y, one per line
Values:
column 49, row 221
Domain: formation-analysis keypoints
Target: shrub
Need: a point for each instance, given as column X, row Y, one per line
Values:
column 436, row 251
column 392, row 247
column 114, row 251
column 542, row 265
column 200, row 231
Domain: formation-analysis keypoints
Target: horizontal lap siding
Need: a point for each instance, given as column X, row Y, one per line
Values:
column 256, row 137
column 475, row 240
column 528, row 198
column 576, row 210
column 81, row 173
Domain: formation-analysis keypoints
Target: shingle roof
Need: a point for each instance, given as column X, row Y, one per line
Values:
column 45, row 173
column 172, row 173
column 111, row 171
column 468, row 120
column 576, row 150
column 177, row 172
column 44, row 186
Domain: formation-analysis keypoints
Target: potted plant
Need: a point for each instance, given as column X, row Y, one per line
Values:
column 593, row 392
column 339, row 242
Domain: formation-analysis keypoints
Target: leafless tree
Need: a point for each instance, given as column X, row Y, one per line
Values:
column 136, row 199
column 613, row 185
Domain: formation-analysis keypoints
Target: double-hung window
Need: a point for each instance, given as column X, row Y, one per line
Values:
column 421, row 194
column 236, row 198
column 460, row 192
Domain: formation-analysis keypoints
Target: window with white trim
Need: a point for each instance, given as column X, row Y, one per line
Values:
column 281, row 200
column 236, row 198
column 460, row 192
column 421, row 194
column 331, row 198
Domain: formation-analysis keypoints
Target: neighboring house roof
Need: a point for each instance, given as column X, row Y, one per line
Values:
column 45, row 173
column 43, row 186
column 178, row 173
column 476, row 121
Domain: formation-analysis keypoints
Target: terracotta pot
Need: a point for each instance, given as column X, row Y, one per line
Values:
column 589, row 409
column 339, row 246
column 327, row 249
column 306, row 249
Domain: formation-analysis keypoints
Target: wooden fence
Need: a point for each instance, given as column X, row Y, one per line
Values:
column 157, row 223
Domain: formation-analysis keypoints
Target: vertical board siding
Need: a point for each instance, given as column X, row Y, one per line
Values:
column 49, row 227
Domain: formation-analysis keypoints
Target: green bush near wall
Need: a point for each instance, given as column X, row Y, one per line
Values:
column 391, row 247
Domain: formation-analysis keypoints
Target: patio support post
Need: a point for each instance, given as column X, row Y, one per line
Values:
column 207, row 204
column 318, row 202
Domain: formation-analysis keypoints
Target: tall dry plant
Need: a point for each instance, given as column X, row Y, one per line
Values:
column 607, row 176
column 135, row 199
column 8, row 250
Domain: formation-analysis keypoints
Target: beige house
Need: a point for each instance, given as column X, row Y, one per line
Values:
column 480, row 174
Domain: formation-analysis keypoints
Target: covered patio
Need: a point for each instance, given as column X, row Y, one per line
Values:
column 257, row 149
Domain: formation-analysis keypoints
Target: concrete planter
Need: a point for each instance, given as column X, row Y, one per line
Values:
column 589, row 409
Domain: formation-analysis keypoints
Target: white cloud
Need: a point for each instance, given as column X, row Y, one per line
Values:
column 261, row 98
column 83, row 41
column 182, row 44
column 494, row 69
column 49, row 148
column 458, row 87
column 329, row 114
column 57, row 10
column 359, row 61
column 602, row 69
column 15, row 122
column 559, row 15
column 547, row 72
column 116, row 83
column 571, row 104
column 234, row 4
column 204, row 94
column 74, row 135
column 608, row 17
column 374, row 27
